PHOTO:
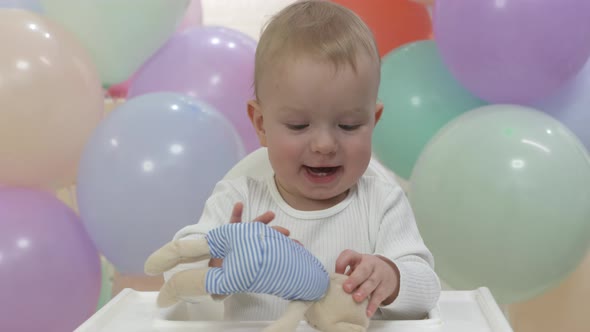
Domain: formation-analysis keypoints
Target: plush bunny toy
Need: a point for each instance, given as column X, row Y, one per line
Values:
column 259, row 259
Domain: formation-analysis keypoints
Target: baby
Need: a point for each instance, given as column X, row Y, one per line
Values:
column 317, row 75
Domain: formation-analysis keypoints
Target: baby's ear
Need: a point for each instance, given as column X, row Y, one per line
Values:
column 378, row 111
column 257, row 119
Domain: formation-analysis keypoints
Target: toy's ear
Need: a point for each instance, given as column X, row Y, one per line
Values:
column 338, row 278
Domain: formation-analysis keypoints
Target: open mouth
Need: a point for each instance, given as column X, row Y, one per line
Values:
column 321, row 171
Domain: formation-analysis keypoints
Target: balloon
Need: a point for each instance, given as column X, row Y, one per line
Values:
column 571, row 105
column 193, row 16
column 393, row 22
column 191, row 19
column 120, row 90
column 419, row 97
column 147, row 171
column 564, row 308
column 50, row 100
column 49, row 267
column 425, row 2
column 30, row 5
column 513, row 51
column 106, row 283
column 212, row 64
column 67, row 195
column 120, row 35
column 501, row 198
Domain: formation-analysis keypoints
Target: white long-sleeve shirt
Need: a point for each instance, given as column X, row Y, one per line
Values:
column 375, row 218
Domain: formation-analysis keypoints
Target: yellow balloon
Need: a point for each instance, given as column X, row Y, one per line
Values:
column 564, row 308
column 68, row 196
column 50, row 100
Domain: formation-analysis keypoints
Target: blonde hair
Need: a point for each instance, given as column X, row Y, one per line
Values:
column 315, row 28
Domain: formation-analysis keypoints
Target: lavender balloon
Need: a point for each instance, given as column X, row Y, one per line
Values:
column 147, row 171
column 212, row 64
column 513, row 51
column 571, row 105
column 49, row 267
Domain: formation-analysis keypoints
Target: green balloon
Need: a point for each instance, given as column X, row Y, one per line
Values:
column 502, row 198
column 119, row 35
column 106, row 286
column 419, row 97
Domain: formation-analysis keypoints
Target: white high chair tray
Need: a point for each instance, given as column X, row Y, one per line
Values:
column 133, row 311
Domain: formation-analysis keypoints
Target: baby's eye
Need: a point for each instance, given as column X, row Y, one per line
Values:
column 297, row 126
column 349, row 127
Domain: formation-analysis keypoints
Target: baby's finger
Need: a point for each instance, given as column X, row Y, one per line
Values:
column 266, row 217
column 346, row 258
column 378, row 296
column 360, row 274
column 366, row 288
column 236, row 213
column 215, row 262
column 282, row 230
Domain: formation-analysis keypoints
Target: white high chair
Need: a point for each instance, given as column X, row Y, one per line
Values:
column 133, row 311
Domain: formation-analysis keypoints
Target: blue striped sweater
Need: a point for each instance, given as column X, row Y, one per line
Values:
column 259, row 259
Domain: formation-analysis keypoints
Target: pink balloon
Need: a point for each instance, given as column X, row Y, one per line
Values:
column 193, row 16
column 49, row 268
column 119, row 91
column 211, row 64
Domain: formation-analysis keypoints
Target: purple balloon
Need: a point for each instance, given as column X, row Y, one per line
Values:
column 571, row 105
column 49, row 267
column 212, row 64
column 513, row 51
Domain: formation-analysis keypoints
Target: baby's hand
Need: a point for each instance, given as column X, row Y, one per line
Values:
column 370, row 275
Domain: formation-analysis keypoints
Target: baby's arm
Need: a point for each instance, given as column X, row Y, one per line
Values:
column 399, row 241
column 398, row 276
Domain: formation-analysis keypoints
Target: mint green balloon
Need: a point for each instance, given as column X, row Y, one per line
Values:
column 502, row 198
column 119, row 35
column 106, row 285
column 419, row 97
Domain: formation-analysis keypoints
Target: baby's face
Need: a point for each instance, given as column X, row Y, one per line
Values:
column 317, row 123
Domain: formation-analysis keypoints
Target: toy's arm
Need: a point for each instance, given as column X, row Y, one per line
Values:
column 183, row 284
column 293, row 315
column 176, row 252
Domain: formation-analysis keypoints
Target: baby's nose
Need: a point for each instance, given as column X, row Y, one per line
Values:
column 324, row 142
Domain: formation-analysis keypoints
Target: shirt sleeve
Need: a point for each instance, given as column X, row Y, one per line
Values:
column 399, row 241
